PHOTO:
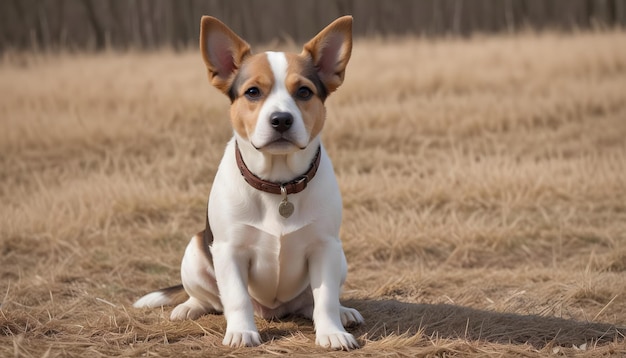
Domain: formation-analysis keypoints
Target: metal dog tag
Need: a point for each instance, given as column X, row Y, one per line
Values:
column 285, row 208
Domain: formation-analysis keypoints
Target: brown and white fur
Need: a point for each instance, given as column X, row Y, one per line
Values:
column 249, row 259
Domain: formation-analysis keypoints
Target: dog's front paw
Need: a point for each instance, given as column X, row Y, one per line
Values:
column 350, row 317
column 242, row 339
column 338, row 340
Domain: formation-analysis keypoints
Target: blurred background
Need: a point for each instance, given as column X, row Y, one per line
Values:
column 147, row 24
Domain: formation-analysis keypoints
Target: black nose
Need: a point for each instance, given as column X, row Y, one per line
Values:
column 281, row 121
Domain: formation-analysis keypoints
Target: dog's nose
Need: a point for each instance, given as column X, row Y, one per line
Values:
column 281, row 121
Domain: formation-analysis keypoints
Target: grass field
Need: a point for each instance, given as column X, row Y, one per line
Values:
column 484, row 186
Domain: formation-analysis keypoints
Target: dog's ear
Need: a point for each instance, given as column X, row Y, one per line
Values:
column 222, row 50
column 330, row 51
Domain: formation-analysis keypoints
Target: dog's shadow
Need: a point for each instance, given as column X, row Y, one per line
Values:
column 386, row 317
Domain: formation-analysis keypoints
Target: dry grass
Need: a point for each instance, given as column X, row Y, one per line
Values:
column 484, row 187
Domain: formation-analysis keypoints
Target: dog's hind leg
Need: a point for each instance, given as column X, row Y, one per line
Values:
column 350, row 317
column 198, row 278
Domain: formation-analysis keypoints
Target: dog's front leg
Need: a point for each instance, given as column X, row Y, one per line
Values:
column 231, row 271
column 327, row 271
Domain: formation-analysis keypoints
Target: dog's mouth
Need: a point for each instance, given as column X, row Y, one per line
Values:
column 281, row 145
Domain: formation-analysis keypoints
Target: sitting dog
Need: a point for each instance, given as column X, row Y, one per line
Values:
column 271, row 243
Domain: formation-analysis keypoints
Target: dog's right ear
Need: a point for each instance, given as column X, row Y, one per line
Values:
column 222, row 50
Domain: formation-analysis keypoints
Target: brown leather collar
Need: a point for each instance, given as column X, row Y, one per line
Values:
column 295, row 186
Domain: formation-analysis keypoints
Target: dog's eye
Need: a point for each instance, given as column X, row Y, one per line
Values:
column 304, row 93
column 253, row 93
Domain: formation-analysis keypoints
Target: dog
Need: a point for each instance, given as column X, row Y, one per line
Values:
column 271, row 244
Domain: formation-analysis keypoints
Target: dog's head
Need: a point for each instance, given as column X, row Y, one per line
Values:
column 277, row 98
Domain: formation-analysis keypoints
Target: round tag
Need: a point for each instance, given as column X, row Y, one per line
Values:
column 285, row 209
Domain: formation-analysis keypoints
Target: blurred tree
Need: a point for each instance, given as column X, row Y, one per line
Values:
column 96, row 25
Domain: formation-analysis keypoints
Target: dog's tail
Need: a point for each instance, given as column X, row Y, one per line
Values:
column 163, row 297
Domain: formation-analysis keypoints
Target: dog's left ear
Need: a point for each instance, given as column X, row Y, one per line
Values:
column 330, row 51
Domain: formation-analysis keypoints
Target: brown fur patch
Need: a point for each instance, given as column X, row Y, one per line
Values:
column 301, row 72
column 244, row 112
column 207, row 239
